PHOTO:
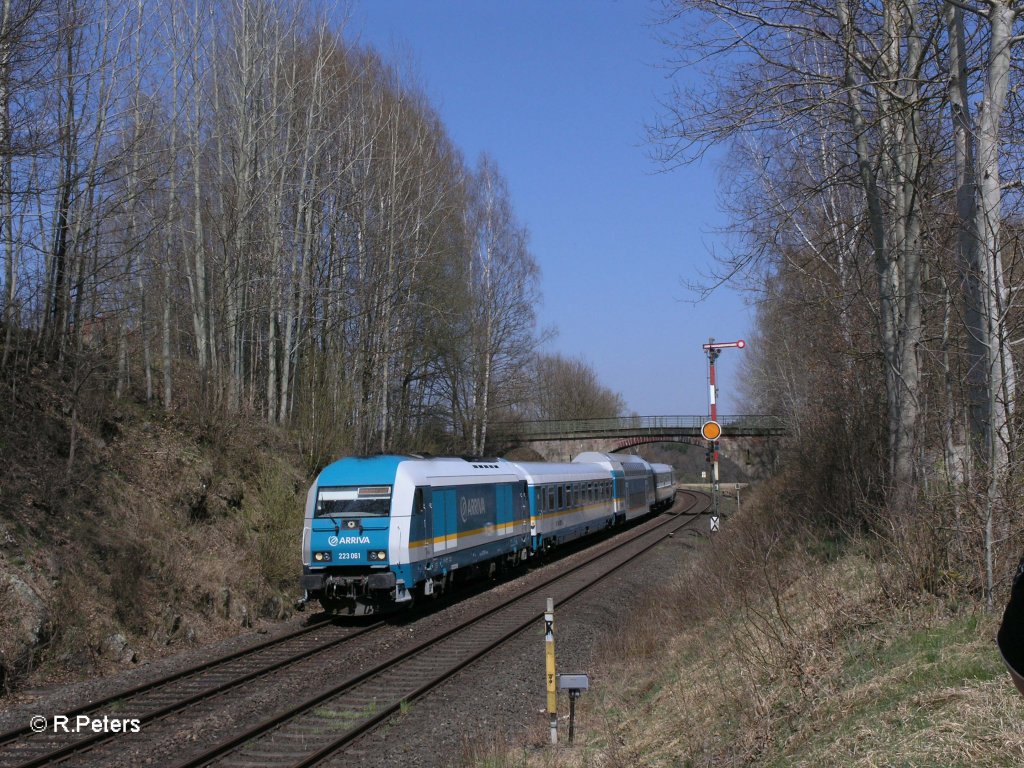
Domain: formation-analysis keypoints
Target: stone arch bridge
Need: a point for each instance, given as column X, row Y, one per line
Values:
column 750, row 440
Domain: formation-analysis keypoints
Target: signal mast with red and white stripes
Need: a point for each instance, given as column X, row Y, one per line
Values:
column 712, row 430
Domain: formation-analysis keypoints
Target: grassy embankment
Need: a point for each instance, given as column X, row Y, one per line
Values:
column 777, row 647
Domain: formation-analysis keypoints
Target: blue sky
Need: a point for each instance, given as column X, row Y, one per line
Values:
column 558, row 92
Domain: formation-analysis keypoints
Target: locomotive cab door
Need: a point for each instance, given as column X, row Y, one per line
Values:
column 423, row 519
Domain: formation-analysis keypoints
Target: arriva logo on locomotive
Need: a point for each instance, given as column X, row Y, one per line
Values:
column 470, row 508
column 335, row 541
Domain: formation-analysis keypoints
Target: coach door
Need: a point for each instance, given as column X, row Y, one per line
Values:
column 522, row 513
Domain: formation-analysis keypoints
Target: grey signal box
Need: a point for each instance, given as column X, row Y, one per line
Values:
column 573, row 682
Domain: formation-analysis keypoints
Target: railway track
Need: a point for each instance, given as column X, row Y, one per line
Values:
column 325, row 724
column 25, row 748
column 328, row 720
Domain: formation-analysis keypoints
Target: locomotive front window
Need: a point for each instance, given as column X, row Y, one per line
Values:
column 354, row 501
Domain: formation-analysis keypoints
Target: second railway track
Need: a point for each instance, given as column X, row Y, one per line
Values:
column 325, row 724
column 326, row 720
column 148, row 701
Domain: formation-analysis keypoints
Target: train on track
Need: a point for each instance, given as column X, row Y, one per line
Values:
column 383, row 530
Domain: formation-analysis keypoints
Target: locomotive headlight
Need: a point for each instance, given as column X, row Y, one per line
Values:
column 378, row 554
column 322, row 557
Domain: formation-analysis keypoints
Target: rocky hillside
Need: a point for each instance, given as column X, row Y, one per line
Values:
column 127, row 533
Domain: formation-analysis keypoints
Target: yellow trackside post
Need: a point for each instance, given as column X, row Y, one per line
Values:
column 549, row 646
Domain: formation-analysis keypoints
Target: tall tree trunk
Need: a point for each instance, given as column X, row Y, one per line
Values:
column 968, row 236
column 195, row 265
column 993, row 305
column 896, row 237
column 6, row 191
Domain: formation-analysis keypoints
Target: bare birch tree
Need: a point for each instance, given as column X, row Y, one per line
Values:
column 991, row 375
column 864, row 67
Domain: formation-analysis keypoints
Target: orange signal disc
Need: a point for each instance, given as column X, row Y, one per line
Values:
column 711, row 430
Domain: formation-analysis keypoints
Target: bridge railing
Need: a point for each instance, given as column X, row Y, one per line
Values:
column 638, row 425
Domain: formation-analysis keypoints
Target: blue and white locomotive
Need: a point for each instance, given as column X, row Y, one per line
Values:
column 379, row 531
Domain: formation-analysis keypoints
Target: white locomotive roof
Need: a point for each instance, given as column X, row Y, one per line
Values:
column 465, row 471
column 538, row 472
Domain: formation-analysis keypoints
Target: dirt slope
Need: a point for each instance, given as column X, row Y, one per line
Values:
column 156, row 532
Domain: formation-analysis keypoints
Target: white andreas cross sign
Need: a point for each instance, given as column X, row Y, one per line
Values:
column 714, row 524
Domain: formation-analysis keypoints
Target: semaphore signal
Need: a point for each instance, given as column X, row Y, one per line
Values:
column 725, row 344
column 712, row 430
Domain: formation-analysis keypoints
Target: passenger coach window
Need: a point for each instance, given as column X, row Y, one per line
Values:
column 561, row 497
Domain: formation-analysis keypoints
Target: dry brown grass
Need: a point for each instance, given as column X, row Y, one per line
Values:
column 172, row 529
column 774, row 649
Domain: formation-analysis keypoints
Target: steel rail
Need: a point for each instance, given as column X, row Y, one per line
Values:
column 369, row 725
column 90, row 706
column 232, row 744
column 95, row 739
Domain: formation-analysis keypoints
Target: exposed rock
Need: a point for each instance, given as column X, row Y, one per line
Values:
column 33, row 618
column 176, row 629
column 274, row 608
column 225, row 602
column 234, row 610
column 173, row 627
column 116, row 647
